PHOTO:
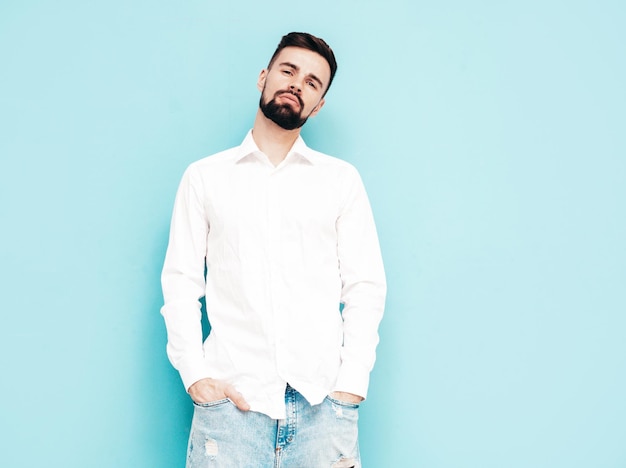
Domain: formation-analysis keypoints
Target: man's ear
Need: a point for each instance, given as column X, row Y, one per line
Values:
column 261, row 81
column 317, row 108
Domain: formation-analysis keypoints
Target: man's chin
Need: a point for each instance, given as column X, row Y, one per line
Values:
column 290, row 104
column 288, row 125
column 283, row 115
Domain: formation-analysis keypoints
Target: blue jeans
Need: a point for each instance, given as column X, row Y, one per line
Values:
column 320, row 436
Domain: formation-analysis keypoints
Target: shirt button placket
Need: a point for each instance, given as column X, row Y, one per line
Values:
column 273, row 257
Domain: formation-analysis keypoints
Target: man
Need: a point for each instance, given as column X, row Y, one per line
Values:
column 275, row 236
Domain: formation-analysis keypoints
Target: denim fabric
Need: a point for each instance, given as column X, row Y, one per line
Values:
column 320, row 436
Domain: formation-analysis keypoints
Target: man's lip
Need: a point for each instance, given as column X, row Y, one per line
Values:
column 291, row 98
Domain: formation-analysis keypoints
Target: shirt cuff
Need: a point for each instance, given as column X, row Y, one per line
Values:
column 191, row 370
column 354, row 379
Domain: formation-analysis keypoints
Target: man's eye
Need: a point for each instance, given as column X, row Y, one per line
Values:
column 287, row 72
column 312, row 84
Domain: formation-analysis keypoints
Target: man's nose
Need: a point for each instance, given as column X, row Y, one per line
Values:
column 295, row 88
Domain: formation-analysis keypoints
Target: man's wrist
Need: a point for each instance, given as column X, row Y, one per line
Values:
column 346, row 396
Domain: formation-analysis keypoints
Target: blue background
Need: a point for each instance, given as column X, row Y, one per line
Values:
column 490, row 135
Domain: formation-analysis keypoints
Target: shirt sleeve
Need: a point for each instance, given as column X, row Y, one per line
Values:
column 363, row 288
column 183, row 279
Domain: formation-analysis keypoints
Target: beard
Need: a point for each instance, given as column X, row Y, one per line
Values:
column 283, row 115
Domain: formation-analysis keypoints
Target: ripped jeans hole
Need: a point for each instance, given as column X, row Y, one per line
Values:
column 210, row 448
column 345, row 463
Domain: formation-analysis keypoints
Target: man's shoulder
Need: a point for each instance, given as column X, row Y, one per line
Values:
column 323, row 159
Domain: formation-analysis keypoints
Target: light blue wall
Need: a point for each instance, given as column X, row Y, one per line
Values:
column 491, row 137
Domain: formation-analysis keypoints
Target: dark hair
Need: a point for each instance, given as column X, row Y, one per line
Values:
column 310, row 42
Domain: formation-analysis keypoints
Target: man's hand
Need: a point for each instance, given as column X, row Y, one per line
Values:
column 347, row 397
column 206, row 390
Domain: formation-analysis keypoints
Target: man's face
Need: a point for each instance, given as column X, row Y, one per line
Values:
column 292, row 89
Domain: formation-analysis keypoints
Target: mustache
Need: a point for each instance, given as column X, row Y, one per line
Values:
column 288, row 91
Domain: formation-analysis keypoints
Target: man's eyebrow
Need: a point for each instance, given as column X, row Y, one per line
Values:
column 296, row 68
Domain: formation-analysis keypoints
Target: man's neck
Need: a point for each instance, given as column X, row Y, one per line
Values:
column 273, row 140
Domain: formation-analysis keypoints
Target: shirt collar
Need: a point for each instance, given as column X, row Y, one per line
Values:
column 299, row 149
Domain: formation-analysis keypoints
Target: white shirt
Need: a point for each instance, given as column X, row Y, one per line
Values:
column 283, row 247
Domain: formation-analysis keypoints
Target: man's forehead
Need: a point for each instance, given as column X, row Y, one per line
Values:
column 304, row 58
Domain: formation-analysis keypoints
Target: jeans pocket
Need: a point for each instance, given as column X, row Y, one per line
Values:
column 212, row 404
column 344, row 404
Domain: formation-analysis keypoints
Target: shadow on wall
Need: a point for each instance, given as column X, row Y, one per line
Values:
column 166, row 417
